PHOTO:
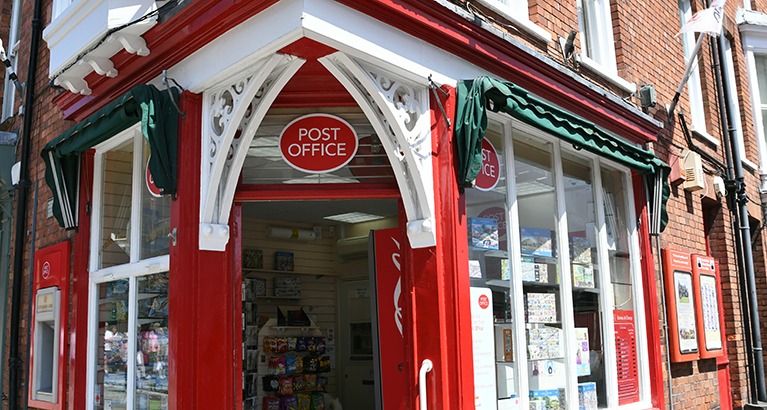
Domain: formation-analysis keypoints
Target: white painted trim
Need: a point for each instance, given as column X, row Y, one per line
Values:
column 150, row 266
column 132, row 334
column 93, row 316
column 705, row 136
column 354, row 33
column 607, row 74
column 567, row 313
column 524, row 23
column 137, row 183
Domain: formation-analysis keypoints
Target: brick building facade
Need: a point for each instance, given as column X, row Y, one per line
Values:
column 455, row 40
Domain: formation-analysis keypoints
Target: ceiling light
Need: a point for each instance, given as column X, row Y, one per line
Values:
column 353, row 217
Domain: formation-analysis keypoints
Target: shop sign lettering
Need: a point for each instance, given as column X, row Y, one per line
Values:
column 490, row 173
column 318, row 143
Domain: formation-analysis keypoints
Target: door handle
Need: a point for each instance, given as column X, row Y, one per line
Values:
column 426, row 367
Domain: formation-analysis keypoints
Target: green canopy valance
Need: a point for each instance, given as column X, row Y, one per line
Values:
column 474, row 97
column 143, row 104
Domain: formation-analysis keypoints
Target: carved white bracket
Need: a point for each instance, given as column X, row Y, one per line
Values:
column 102, row 66
column 233, row 112
column 398, row 109
column 131, row 43
column 73, row 84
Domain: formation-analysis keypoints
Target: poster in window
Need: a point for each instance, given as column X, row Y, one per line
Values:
column 710, row 310
column 685, row 312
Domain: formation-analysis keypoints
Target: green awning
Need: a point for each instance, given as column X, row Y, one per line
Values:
column 474, row 97
column 143, row 104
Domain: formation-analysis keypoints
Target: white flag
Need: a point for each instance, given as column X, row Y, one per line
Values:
column 706, row 21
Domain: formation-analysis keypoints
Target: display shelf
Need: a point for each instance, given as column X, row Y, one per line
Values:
column 268, row 299
column 251, row 273
column 586, row 290
column 541, row 285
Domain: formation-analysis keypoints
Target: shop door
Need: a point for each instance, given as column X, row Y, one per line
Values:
column 356, row 345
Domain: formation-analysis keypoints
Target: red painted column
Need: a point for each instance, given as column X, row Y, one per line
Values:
column 439, row 286
column 650, row 295
column 201, row 289
column 78, row 331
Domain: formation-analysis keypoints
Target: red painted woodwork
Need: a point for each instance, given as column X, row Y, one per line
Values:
column 457, row 375
column 193, row 27
column 650, row 294
column 312, row 85
column 237, row 268
column 78, row 346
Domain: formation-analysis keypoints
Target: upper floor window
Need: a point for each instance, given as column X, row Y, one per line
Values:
column 732, row 86
column 59, row 6
column 518, row 12
column 9, row 92
column 694, row 89
column 598, row 42
column 761, row 78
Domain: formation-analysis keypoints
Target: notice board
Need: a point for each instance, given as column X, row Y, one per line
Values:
column 680, row 306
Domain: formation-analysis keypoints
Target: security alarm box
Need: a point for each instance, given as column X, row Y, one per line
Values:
column 47, row 381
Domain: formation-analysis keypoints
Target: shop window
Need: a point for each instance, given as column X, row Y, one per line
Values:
column 128, row 354
column 553, row 254
column 518, row 12
column 694, row 90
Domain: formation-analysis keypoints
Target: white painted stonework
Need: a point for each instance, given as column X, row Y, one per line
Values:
column 81, row 26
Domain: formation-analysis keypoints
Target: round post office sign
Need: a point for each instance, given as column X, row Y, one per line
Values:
column 318, row 143
column 490, row 173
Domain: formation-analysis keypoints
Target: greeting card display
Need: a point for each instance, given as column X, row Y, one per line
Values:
column 582, row 352
column 546, row 400
column 505, row 269
column 283, row 261
column 534, row 272
column 583, row 276
column 541, row 307
column 544, row 343
column 288, row 286
column 483, row 233
column 252, row 258
column 587, row 396
column 580, row 249
column 475, row 269
column 535, row 241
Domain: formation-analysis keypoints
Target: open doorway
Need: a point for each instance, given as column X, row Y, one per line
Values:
column 307, row 315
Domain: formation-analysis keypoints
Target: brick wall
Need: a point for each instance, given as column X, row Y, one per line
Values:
column 47, row 123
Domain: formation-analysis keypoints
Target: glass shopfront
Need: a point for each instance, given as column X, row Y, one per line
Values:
column 128, row 354
column 554, row 257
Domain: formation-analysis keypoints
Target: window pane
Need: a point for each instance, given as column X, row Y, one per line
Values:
column 615, row 199
column 112, row 346
column 155, row 214
column 587, row 289
column 116, row 186
column 490, row 271
column 537, row 204
column 152, row 342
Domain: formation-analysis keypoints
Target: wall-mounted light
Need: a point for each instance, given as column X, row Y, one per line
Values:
column 276, row 232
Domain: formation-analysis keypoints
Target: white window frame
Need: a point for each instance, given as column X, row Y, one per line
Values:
column 131, row 270
column 59, row 6
column 9, row 91
column 754, row 42
column 517, row 12
column 694, row 90
column 510, row 127
column 732, row 85
column 595, row 22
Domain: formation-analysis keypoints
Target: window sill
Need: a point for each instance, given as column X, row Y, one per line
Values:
column 600, row 70
column 748, row 164
column 523, row 23
column 705, row 136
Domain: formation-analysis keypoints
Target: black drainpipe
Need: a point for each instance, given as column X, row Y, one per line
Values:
column 14, row 359
column 736, row 188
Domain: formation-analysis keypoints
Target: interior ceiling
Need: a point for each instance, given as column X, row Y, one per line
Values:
column 312, row 212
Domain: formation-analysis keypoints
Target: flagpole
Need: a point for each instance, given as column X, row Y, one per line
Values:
column 686, row 76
